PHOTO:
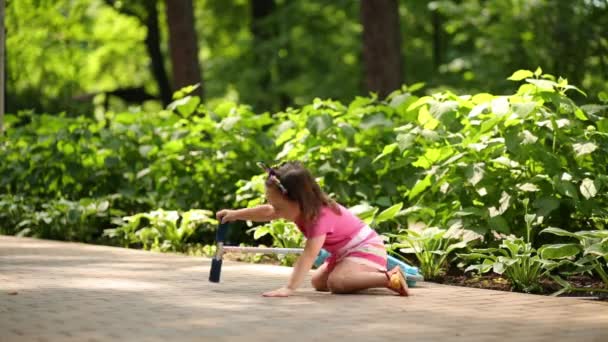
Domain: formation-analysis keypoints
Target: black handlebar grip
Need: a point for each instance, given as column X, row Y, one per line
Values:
column 216, row 270
column 216, row 262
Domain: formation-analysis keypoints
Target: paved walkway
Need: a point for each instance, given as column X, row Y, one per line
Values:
column 54, row 291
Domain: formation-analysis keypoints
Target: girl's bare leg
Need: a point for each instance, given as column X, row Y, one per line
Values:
column 349, row 276
column 319, row 278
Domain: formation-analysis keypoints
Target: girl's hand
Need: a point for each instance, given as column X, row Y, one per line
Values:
column 282, row 292
column 226, row 215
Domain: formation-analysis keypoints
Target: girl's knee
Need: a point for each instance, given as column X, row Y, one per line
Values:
column 319, row 282
column 336, row 283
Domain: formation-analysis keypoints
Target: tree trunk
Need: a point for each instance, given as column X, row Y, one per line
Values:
column 2, row 60
column 262, row 33
column 381, row 45
column 146, row 11
column 183, row 45
column 437, row 39
column 156, row 56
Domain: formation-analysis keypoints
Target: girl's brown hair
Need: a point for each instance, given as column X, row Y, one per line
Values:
column 301, row 187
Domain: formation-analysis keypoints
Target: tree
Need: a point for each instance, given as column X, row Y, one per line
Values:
column 147, row 13
column 183, row 45
column 263, row 32
column 156, row 56
column 381, row 45
column 1, row 67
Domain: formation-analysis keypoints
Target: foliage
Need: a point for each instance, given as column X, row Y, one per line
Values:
column 284, row 235
column 160, row 159
column 72, row 48
column 522, row 264
column 311, row 49
column 161, row 230
column 480, row 157
column 432, row 246
column 55, row 219
column 591, row 251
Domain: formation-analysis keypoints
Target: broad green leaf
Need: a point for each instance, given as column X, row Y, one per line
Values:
column 455, row 246
column 499, row 224
column 528, row 138
column 528, row 187
column 421, row 101
column 602, row 125
column 228, row 123
column 365, row 212
column 559, row 251
column 103, row 206
column 559, row 232
column 482, row 98
column 426, row 120
column 546, row 205
column 319, row 123
column 260, row 232
column 143, row 173
column 566, row 188
column 588, row 188
column 388, row 149
column 582, row 149
column 579, row 114
column 388, row 214
column 473, row 268
column 520, row 75
column 405, row 141
column 600, row 249
column 475, row 173
column 431, row 156
column 499, row 267
column 186, row 105
column 144, row 150
column 375, row 120
column 523, row 109
column 415, row 86
column 538, row 72
column 504, row 201
column 542, row 84
column 500, row 106
column 420, row 186
column 470, row 211
column 529, row 218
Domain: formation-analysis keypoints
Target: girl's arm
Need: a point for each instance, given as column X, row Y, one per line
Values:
column 261, row 213
column 305, row 261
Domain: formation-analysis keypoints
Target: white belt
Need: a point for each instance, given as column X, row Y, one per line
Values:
column 358, row 239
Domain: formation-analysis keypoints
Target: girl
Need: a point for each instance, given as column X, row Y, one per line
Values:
column 358, row 256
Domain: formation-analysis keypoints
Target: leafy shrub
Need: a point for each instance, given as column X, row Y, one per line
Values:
column 59, row 219
column 432, row 246
column 477, row 157
column 161, row 230
column 591, row 251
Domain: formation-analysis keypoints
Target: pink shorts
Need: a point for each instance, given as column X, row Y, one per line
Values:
column 365, row 248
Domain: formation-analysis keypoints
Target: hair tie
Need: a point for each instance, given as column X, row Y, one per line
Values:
column 272, row 177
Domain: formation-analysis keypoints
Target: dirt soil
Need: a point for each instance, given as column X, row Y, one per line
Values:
column 497, row 282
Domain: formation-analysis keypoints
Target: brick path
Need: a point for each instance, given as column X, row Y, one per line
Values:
column 78, row 292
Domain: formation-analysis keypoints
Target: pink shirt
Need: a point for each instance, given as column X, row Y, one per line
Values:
column 340, row 228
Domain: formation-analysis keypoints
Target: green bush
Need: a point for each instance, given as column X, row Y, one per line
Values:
column 508, row 164
column 477, row 158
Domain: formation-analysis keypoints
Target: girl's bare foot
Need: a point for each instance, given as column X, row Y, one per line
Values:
column 397, row 281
